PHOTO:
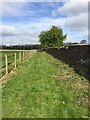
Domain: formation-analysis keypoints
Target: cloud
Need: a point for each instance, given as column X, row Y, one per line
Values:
column 27, row 33
column 77, row 16
column 79, row 1
column 27, row 8
column 74, row 8
column 6, row 30
column 23, row 30
column 17, row 40
column 35, row 0
column 11, row 8
column 14, row 0
column 27, row 29
column 43, row 0
column 77, row 23
column 70, row 39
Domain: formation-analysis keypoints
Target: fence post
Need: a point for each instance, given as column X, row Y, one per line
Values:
column 20, row 56
column 27, row 53
column 15, row 60
column 6, row 59
column 23, row 55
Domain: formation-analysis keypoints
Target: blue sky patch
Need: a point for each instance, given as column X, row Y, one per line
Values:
column 23, row 21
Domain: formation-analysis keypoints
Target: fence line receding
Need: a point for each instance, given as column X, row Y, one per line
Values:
column 10, row 60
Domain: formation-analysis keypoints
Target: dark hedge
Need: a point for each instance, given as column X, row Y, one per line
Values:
column 77, row 57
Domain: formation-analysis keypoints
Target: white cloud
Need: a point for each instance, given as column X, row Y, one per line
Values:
column 9, row 40
column 79, row 1
column 70, row 39
column 44, row 0
column 74, row 8
column 24, row 30
column 77, row 16
column 11, row 8
column 76, row 20
column 12, row 1
column 6, row 30
column 27, row 33
column 77, row 23
column 35, row 0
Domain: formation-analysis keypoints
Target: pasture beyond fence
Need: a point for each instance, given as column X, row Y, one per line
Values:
column 11, row 59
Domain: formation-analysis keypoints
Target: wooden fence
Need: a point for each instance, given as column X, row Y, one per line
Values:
column 13, row 59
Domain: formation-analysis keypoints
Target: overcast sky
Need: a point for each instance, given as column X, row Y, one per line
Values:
column 21, row 21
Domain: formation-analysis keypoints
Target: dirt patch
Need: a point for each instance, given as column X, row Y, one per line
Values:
column 82, row 85
column 4, row 78
column 62, row 78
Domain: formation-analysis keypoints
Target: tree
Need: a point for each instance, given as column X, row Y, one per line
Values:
column 83, row 41
column 52, row 38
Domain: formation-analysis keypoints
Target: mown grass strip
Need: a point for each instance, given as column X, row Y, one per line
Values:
column 44, row 87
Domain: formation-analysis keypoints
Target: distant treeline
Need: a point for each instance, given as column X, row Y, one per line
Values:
column 31, row 46
column 20, row 47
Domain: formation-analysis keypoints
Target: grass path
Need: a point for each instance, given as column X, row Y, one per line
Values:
column 44, row 87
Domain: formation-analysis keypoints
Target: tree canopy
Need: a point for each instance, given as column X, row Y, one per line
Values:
column 52, row 38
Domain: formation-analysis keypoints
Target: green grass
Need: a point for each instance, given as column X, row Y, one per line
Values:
column 44, row 87
column 2, row 61
column 9, row 53
column 11, row 59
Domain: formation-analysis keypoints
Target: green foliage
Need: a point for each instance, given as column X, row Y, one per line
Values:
column 52, row 38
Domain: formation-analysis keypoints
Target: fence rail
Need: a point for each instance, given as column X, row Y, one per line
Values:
column 12, row 59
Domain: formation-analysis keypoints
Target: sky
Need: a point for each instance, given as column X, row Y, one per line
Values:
column 21, row 21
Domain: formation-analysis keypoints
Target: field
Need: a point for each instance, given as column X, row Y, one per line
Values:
column 9, row 53
column 44, row 87
column 11, row 60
